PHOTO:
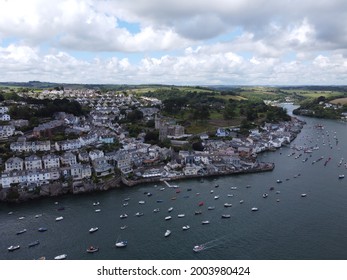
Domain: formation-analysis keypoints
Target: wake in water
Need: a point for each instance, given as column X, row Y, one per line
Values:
column 210, row 244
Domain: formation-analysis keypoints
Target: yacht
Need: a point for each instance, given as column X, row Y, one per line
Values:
column 205, row 222
column 254, row 209
column 168, row 218
column 227, row 204
column 60, row 257
column 13, row 248
column 121, row 243
column 59, row 218
column 93, row 229
column 123, row 216
column 186, row 227
column 167, row 233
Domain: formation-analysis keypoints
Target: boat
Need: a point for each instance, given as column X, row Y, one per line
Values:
column 61, row 257
column 341, row 176
column 96, row 203
column 233, row 188
column 211, row 208
column 167, row 233
column 178, row 191
column 216, row 186
column 198, row 213
column 123, row 216
column 230, row 195
column 271, row 188
column 227, row 205
column 156, row 210
column 265, row 195
column 21, row 218
column 126, row 199
column 59, row 218
column 279, row 181
column 97, row 210
column 21, row 231
column 180, row 215
column 168, row 218
column 38, row 215
column 149, row 194
column 139, row 214
column 211, row 191
column 142, row 202
column 42, row 229
column 205, row 222
column 254, row 209
column 13, row 248
column 198, row 248
column 216, row 196
column 35, row 243
column 123, row 227
column 161, row 189
column 170, row 209
column 93, row 229
column 186, row 227
column 159, row 201
column 92, row 249
column 201, row 203
column 121, row 243
column 189, row 190
column 226, row 216
column 10, row 213
column 303, row 195
column 61, row 208
column 241, row 201
column 173, row 198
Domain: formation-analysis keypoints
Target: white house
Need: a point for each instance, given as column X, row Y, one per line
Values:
column 51, row 161
column 68, row 158
column 5, row 117
column 33, row 162
column 6, row 131
column 94, row 154
column 14, row 163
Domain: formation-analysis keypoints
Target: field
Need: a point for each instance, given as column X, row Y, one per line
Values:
column 342, row 101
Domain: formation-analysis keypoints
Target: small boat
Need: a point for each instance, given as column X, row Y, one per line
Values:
column 233, row 188
column 230, row 195
column 303, row 195
column 211, row 208
column 216, row 186
column 142, row 202
column 201, row 203
column 189, row 190
column 10, row 213
column 93, row 229
column 21, row 231
column 197, row 212
column 279, row 181
column 97, row 210
column 178, row 191
column 161, row 189
column 123, row 216
column 211, row 191
column 248, row 186
column 216, row 196
column 35, row 243
column 156, row 210
column 21, row 218
column 139, row 214
column 167, row 233
column 205, row 222
column 168, row 218
column 125, row 204
column 226, row 216
column 96, row 203
column 123, row 227
column 198, row 248
column 241, row 201
column 341, row 176
column 254, row 209
column 173, row 198
column 13, row 248
column 227, row 205
column 38, row 215
column 42, row 229
column 186, row 227
column 149, row 194
column 59, row 218
column 61, row 257
column 159, row 201
column 265, row 195
column 271, row 188
column 170, row 209
column 92, row 249
column 126, row 199
column 56, row 202
column 180, row 215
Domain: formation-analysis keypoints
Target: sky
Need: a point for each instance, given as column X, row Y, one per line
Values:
column 178, row 42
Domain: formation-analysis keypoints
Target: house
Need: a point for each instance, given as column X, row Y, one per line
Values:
column 221, row 132
column 191, row 170
column 14, row 163
column 13, row 177
column 83, row 156
column 24, row 146
column 5, row 117
column 94, row 154
column 68, row 145
column 54, row 173
column 80, row 171
column 102, row 167
column 106, row 139
column 33, row 162
column 51, row 161
column 19, row 123
column 3, row 109
column 68, row 158
column 6, row 131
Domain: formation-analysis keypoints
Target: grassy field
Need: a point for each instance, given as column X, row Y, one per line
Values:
column 342, row 101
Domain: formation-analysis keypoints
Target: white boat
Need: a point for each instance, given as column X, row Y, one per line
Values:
column 61, row 257
column 226, row 216
column 121, row 243
column 13, row 248
column 21, row 218
column 230, row 195
column 142, row 202
column 96, row 203
column 233, row 188
column 38, row 215
column 341, row 176
column 227, row 204
column 211, row 208
column 205, row 222
column 21, row 231
column 10, row 213
column 168, row 218
column 125, row 204
column 170, row 209
column 303, row 195
column 186, row 227
column 92, row 249
column 123, row 216
column 180, row 215
column 156, row 210
column 93, row 229
column 167, row 233
column 241, row 201
column 59, row 218
column 211, row 191
column 198, row 248
column 216, row 196
column 254, row 209
column 123, row 227
column 265, row 195
column 161, row 189
column 97, row 210
column 139, row 214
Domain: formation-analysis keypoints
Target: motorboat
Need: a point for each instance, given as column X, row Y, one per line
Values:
column 303, row 195
column 233, row 188
column 142, row 202
column 241, row 201
column 123, row 227
column 265, row 195
column 341, row 176
column 168, row 218
column 121, row 243
column 198, row 248
column 38, row 216
column 205, row 222
column 170, row 209
column 167, row 233
column 21, row 231
column 211, row 191
column 186, row 227
column 13, row 248
column 149, row 194
column 230, row 195
column 216, row 196
column 211, row 208
column 61, row 257
column 96, row 203
column 227, row 205
column 123, row 216
column 21, row 218
column 42, row 229
column 226, row 216
column 197, row 212
column 159, row 201
column 125, row 204
column 126, row 199
column 201, row 203
column 156, row 210
column 93, row 229
column 97, row 210
column 33, row 244
column 254, row 209
column 279, row 181
column 10, row 213
column 92, row 249
column 180, row 215
column 59, row 218
column 139, row 214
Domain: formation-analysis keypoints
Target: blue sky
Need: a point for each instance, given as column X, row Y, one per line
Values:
column 196, row 42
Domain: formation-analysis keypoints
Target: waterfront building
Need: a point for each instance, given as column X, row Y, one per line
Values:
column 14, row 163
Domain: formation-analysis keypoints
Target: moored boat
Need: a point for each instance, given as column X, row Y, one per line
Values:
column 97, row 210
column 201, row 203
column 139, row 214
column 21, row 231
column 170, row 209
column 96, row 203
column 92, row 249
column 168, row 218
column 180, row 215
column 93, row 229
column 211, row 208
column 156, row 210
column 142, row 202
column 341, row 176
column 226, row 216
column 205, row 222
column 61, row 257
column 186, row 227
column 254, row 209
column 227, row 205
column 35, row 243
column 121, row 243
column 13, row 248
column 42, row 229
column 167, row 233
column 197, row 212
column 303, row 195
column 59, row 218
column 123, row 216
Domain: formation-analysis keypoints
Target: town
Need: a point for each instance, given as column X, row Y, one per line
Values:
column 71, row 153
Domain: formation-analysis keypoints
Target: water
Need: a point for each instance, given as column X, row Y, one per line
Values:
column 296, row 227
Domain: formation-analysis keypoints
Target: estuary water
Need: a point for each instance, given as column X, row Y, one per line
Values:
column 287, row 225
